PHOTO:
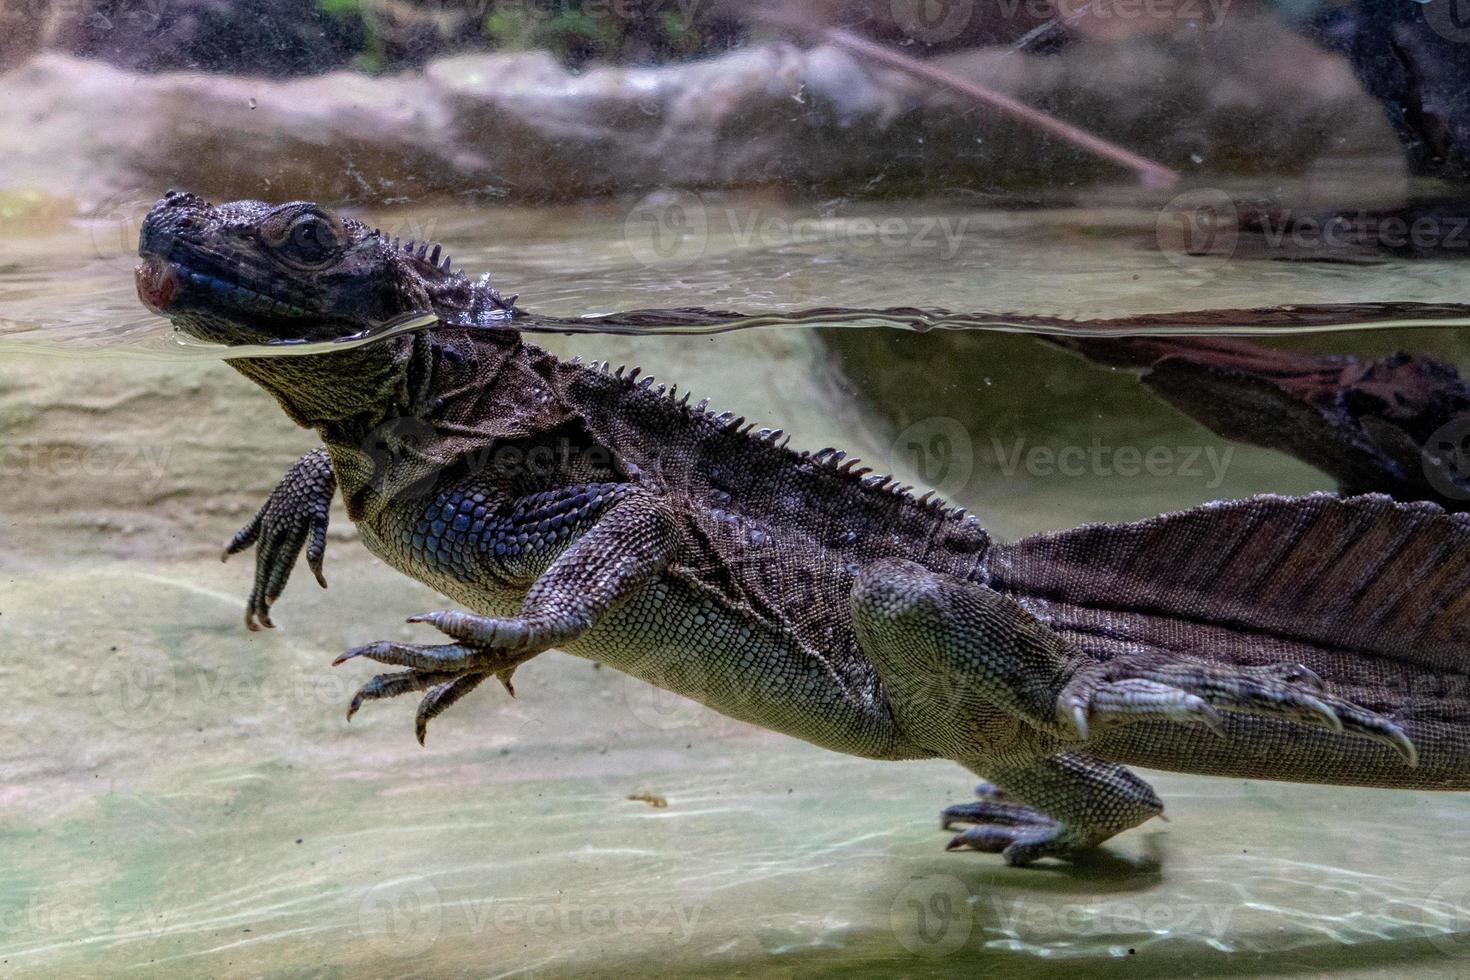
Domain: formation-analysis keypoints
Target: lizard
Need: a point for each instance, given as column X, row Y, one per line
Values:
column 568, row 505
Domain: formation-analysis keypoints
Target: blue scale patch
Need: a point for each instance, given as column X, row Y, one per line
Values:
column 456, row 529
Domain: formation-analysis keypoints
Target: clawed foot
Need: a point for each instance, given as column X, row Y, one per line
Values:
column 484, row 647
column 293, row 516
column 1141, row 688
column 1019, row 833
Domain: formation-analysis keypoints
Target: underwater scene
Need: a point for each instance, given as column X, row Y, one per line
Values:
column 934, row 486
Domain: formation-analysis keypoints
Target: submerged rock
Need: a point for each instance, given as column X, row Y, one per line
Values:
column 1253, row 97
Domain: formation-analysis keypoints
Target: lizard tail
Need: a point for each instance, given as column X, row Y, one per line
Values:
column 1358, row 574
column 1372, row 595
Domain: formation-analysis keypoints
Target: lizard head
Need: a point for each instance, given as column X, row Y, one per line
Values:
column 248, row 272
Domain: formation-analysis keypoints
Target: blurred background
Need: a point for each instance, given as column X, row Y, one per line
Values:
column 556, row 99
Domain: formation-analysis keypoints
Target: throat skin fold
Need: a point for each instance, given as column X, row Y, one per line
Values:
column 340, row 389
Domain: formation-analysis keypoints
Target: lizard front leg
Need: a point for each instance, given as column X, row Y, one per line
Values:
column 583, row 550
column 973, row 677
column 294, row 514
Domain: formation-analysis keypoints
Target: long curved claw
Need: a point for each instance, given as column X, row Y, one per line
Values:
column 1136, row 699
column 993, row 812
column 484, row 647
column 1364, row 723
column 393, row 684
column 996, row 823
column 452, row 657
column 439, row 698
column 1146, row 687
column 316, row 550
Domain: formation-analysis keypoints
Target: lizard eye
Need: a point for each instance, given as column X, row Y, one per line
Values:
column 311, row 240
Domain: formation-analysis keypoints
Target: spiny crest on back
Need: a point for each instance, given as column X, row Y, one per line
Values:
column 832, row 460
column 425, row 251
column 428, row 254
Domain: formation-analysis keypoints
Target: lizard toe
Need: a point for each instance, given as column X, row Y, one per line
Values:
column 440, row 697
column 391, row 685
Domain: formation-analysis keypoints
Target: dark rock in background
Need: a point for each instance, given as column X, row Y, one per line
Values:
column 1254, row 98
column 1415, row 59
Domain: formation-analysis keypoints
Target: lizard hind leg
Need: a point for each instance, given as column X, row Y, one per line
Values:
column 1054, row 807
column 970, row 675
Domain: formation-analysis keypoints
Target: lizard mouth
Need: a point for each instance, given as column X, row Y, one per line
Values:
column 157, row 280
column 162, row 282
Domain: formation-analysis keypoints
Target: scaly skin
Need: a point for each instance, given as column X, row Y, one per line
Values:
column 574, row 507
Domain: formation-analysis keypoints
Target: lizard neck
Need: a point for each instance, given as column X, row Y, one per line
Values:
column 341, row 390
column 396, row 413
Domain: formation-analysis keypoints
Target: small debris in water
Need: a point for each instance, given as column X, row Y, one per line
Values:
column 652, row 799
